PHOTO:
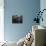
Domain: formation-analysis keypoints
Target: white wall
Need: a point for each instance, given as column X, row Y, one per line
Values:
column 1, row 20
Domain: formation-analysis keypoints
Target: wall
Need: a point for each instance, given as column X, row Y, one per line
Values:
column 43, row 6
column 27, row 8
column 1, row 20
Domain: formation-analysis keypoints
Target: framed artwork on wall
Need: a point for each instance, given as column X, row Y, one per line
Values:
column 17, row 19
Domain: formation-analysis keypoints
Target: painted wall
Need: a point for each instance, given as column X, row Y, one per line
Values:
column 27, row 8
column 43, row 6
column 1, row 20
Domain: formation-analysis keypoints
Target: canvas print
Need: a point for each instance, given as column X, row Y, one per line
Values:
column 17, row 19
